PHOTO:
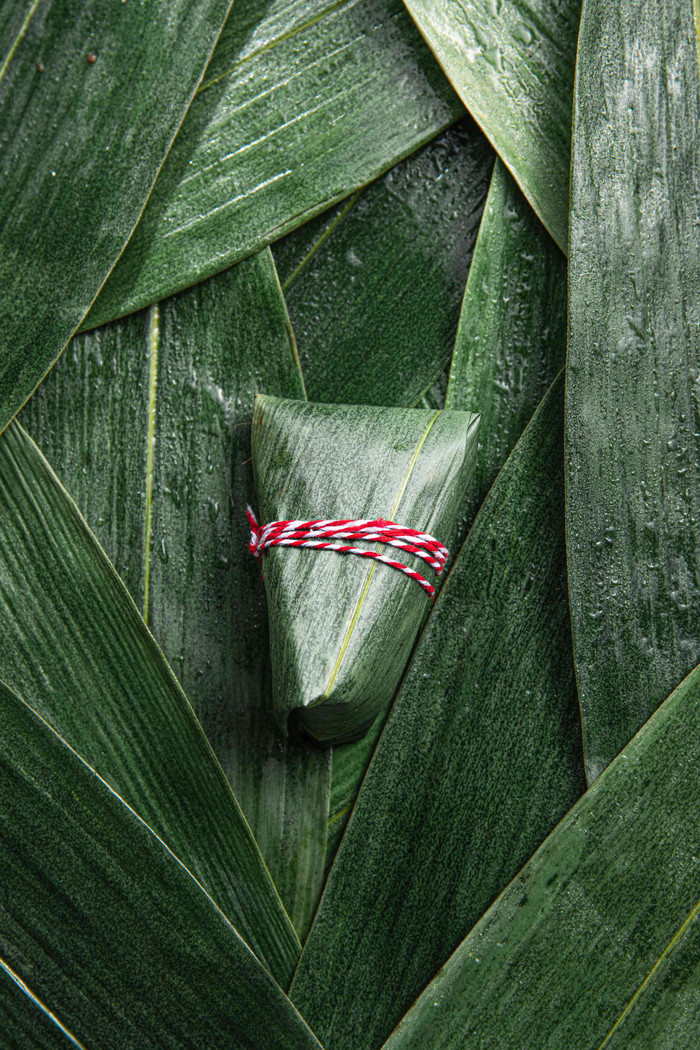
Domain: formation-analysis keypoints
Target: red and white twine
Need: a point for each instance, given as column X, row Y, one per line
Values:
column 323, row 534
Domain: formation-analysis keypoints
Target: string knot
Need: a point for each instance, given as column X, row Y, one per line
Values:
column 324, row 534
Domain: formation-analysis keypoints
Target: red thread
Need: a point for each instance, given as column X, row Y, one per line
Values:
column 320, row 533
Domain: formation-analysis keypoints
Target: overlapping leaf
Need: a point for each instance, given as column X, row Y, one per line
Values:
column 633, row 433
column 512, row 63
column 374, row 287
column 350, row 762
column 80, row 146
column 301, row 104
column 479, row 758
column 588, row 945
column 75, row 644
column 511, row 340
column 168, row 395
column 105, row 927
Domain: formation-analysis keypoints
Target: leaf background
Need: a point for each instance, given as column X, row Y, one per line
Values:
column 146, row 420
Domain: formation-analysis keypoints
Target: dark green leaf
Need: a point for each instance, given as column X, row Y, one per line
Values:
column 302, row 103
column 633, row 428
column 73, row 641
column 24, row 1028
column 90, row 417
column 350, row 762
column 191, row 367
column 220, row 344
column 479, row 758
column 512, row 63
column 511, row 340
column 342, row 628
column 103, row 923
column 80, row 146
column 374, row 289
column 587, row 940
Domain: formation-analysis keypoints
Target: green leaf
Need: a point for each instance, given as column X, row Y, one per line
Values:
column 302, row 103
column 511, row 340
column 80, row 146
column 663, row 1013
column 350, row 762
column 342, row 628
column 222, row 343
column 512, row 64
column 479, row 758
column 26, row 1029
column 90, row 417
column 633, row 441
column 75, row 644
column 374, row 288
column 191, row 368
column 586, row 938
column 435, row 396
column 103, row 923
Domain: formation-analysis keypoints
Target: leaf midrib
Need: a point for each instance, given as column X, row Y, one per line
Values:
column 690, row 918
column 18, row 39
column 154, row 341
column 298, row 270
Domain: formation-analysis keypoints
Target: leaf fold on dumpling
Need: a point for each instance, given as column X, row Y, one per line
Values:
column 342, row 628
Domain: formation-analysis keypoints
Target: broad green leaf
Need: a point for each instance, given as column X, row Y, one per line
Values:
column 302, row 103
column 479, row 758
column 342, row 628
column 180, row 380
column 511, row 340
column 586, row 942
column 512, row 64
column 74, row 642
column 80, row 146
column 374, row 289
column 510, row 343
column 632, row 436
column 105, row 926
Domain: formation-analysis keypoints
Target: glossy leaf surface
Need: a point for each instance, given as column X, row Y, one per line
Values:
column 342, row 628
column 374, row 288
column 479, row 758
column 89, row 665
column 511, row 340
column 191, row 368
column 90, row 417
column 633, row 429
column 108, row 928
column 301, row 104
column 80, row 146
column 221, row 343
column 512, row 63
column 594, row 924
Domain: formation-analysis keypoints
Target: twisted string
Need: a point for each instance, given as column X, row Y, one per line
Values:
column 323, row 534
